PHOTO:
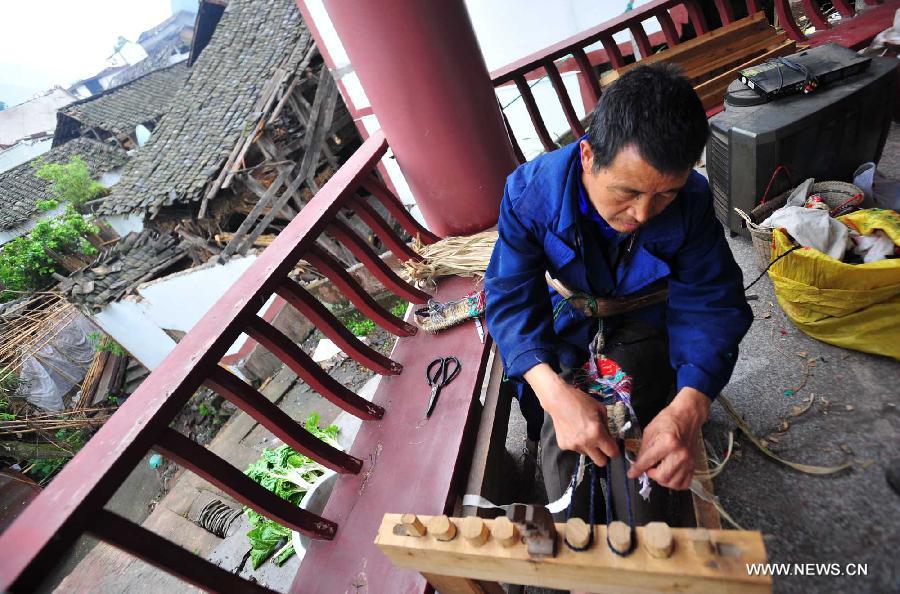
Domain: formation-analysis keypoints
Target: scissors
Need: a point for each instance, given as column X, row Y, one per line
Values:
column 440, row 372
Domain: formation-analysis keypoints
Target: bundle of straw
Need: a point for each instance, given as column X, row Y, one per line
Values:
column 461, row 256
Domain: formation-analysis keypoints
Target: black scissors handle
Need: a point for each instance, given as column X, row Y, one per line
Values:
column 439, row 373
column 442, row 371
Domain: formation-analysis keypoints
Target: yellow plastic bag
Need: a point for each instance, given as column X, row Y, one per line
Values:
column 855, row 306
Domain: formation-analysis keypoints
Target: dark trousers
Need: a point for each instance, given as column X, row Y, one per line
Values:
column 643, row 353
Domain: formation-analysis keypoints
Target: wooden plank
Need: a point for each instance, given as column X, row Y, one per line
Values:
column 485, row 473
column 453, row 585
column 705, row 513
column 705, row 44
column 736, row 52
column 689, row 568
column 712, row 92
column 323, row 107
column 410, row 463
column 265, row 200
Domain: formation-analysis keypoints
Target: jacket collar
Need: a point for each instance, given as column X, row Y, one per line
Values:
column 568, row 200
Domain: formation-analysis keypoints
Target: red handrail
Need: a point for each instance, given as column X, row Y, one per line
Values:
column 73, row 502
column 555, row 58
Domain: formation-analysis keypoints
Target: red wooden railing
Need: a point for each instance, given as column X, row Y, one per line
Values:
column 813, row 11
column 73, row 504
column 570, row 54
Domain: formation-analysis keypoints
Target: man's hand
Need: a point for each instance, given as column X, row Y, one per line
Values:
column 579, row 420
column 668, row 447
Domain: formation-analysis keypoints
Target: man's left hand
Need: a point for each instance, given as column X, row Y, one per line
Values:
column 669, row 444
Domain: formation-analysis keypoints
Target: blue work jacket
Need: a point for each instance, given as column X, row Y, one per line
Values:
column 541, row 228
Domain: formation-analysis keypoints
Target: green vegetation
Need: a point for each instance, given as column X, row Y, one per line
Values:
column 289, row 475
column 360, row 325
column 104, row 344
column 25, row 262
column 69, row 182
column 43, row 470
column 6, row 413
column 26, row 265
column 399, row 308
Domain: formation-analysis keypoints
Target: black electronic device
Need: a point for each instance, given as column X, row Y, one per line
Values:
column 804, row 71
column 825, row 135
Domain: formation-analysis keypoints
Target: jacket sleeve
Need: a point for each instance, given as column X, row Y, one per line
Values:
column 708, row 314
column 518, row 310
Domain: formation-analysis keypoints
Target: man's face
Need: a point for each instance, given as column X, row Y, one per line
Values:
column 630, row 191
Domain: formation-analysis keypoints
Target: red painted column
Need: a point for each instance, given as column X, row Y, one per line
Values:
column 423, row 72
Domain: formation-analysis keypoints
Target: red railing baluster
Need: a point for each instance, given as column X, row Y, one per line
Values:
column 376, row 188
column 584, row 64
column 815, row 15
column 726, row 15
column 668, row 27
column 282, row 426
column 787, row 22
column 332, row 327
column 641, row 39
column 213, row 469
column 520, row 156
column 564, row 99
column 382, row 229
column 695, row 14
column 374, row 264
column 62, row 512
column 613, row 53
column 309, row 371
column 534, row 113
column 327, row 265
column 846, row 9
column 168, row 556
column 753, row 7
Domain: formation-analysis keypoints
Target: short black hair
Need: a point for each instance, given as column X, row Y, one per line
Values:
column 655, row 109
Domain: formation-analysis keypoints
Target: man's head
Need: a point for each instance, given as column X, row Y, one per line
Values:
column 646, row 134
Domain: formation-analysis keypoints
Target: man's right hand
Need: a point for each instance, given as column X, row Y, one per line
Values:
column 579, row 420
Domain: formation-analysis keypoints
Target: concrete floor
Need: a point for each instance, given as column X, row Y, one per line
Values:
column 852, row 517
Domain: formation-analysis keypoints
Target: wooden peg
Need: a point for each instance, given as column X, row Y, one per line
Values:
column 442, row 528
column 414, row 526
column 658, row 540
column 505, row 532
column 578, row 533
column 475, row 531
column 619, row 536
column 701, row 542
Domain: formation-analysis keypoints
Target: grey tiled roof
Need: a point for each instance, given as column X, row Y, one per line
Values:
column 20, row 190
column 120, row 109
column 134, row 259
column 216, row 107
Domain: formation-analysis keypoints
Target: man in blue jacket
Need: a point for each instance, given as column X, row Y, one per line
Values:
column 616, row 232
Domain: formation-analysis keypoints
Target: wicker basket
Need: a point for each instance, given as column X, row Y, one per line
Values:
column 835, row 194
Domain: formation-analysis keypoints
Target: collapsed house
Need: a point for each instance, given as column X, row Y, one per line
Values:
column 249, row 137
column 114, row 115
column 21, row 189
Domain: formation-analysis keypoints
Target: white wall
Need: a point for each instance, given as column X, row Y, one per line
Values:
column 176, row 302
column 127, row 323
column 125, row 224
